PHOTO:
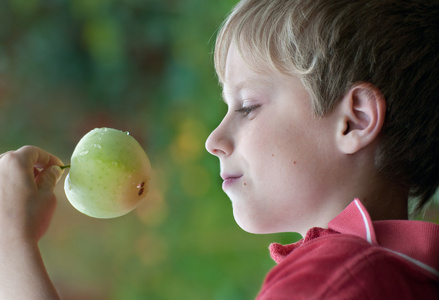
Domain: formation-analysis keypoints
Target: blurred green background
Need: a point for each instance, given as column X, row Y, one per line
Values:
column 143, row 66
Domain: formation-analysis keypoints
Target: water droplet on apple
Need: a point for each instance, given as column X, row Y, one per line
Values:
column 83, row 153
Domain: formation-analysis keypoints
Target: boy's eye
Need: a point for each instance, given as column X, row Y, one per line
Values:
column 245, row 111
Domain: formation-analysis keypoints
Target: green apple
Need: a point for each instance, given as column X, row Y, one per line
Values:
column 109, row 174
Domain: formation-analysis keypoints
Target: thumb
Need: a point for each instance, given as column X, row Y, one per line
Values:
column 48, row 178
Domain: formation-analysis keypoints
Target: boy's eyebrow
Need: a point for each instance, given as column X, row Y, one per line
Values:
column 250, row 83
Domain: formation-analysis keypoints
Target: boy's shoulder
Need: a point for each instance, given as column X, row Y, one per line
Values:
column 344, row 266
column 347, row 261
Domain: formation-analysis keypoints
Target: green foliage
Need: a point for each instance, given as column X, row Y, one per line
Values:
column 142, row 66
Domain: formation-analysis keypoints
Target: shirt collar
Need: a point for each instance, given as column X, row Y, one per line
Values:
column 415, row 241
column 355, row 219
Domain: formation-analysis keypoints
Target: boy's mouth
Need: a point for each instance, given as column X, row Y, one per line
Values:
column 229, row 180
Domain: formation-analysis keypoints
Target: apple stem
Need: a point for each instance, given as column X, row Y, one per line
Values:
column 65, row 167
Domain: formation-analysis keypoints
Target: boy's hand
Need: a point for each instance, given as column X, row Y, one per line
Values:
column 27, row 201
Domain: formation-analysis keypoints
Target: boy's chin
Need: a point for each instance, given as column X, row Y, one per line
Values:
column 252, row 226
column 245, row 224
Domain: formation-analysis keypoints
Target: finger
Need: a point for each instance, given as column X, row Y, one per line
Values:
column 3, row 154
column 36, row 157
column 47, row 179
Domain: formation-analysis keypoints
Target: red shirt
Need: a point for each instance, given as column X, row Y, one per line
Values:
column 356, row 258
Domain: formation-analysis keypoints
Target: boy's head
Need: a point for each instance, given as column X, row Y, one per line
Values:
column 332, row 45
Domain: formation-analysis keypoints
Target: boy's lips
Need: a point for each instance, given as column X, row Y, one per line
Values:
column 229, row 180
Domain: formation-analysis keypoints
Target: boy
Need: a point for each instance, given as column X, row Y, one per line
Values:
column 331, row 101
column 330, row 128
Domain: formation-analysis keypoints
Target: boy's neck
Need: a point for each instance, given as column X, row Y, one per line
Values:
column 384, row 199
column 387, row 202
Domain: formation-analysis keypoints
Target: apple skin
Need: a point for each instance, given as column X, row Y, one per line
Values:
column 109, row 174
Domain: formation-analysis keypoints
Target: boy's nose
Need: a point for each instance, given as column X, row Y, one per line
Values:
column 218, row 143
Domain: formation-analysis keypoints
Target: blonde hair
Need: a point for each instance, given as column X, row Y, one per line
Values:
column 333, row 44
column 265, row 31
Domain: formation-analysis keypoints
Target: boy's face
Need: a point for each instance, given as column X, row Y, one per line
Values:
column 273, row 153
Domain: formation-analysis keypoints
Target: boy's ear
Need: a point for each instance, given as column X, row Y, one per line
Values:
column 362, row 113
